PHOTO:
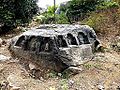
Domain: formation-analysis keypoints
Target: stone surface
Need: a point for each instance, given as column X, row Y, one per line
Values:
column 71, row 82
column 56, row 47
column 32, row 66
column 115, row 44
column 4, row 58
column 14, row 81
column 1, row 42
column 101, row 87
column 74, row 70
column 4, row 42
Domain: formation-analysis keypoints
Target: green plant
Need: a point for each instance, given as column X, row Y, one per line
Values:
column 52, row 74
column 61, row 19
column 39, row 19
column 48, row 18
column 80, row 7
column 92, row 65
column 97, row 65
column 107, row 5
column 64, row 84
column 66, row 74
column 88, row 66
column 97, row 21
column 16, row 12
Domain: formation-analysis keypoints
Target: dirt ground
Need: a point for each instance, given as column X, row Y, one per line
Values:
column 101, row 73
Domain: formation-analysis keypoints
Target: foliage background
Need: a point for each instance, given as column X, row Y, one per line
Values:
column 16, row 12
column 102, row 15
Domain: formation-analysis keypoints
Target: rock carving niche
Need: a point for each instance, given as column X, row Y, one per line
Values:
column 20, row 42
column 61, row 41
column 39, row 44
column 35, row 43
column 32, row 43
column 46, row 44
column 83, row 39
column 71, row 39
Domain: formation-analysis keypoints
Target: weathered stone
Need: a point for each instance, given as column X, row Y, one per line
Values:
column 32, row 66
column 1, row 42
column 4, row 58
column 15, row 82
column 15, row 88
column 71, row 82
column 4, row 42
column 56, row 47
column 115, row 44
column 4, row 85
column 74, row 70
column 101, row 87
column 118, row 88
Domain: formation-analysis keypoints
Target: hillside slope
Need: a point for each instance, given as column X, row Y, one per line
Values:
column 106, row 23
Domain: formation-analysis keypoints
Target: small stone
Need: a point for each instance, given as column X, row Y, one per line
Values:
column 41, row 78
column 52, row 88
column 15, row 88
column 4, row 42
column 75, row 69
column 101, row 87
column 118, row 88
column 4, row 58
column 14, row 81
column 4, row 85
column 92, row 87
column 77, row 88
column 32, row 66
column 59, row 74
column 71, row 82
column 1, row 42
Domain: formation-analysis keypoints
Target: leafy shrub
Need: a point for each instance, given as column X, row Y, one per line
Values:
column 62, row 19
column 51, row 9
column 39, row 19
column 107, row 5
column 80, row 7
column 64, row 84
column 16, row 12
column 96, row 21
column 118, row 1
column 48, row 17
column 105, row 22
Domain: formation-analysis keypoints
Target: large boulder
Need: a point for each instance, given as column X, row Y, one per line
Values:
column 56, row 47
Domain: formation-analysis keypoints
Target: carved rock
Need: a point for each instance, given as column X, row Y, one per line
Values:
column 56, row 47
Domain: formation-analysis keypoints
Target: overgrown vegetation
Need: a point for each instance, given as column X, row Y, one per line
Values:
column 80, row 8
column 16, row 12
column 91, row 12
column 107, row 5
column 48, row 17
column 75, row 10
column 72, row 9
column 105, row 22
